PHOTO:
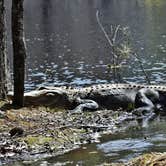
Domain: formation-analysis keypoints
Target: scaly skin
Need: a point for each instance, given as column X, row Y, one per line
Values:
column 102, row 96
column 106, row 96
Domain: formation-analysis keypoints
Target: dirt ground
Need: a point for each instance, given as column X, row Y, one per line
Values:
column 36, row 132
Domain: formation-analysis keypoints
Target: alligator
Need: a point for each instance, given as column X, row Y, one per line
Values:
column 136, row 97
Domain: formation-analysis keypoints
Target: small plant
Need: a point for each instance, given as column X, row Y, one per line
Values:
column 121, row 49
column 119, row 43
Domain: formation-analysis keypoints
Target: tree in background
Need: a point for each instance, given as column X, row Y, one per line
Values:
column 3, row 56
column 19, row 52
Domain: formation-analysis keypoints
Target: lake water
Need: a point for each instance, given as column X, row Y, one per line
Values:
column 118, row 147
column 65, row 46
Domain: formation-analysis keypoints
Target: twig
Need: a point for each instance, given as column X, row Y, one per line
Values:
column 102, row 28
column 111, row 43
column 115, row 34
column 142, row 68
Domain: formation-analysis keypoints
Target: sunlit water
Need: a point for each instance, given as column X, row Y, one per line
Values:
column 65, row 45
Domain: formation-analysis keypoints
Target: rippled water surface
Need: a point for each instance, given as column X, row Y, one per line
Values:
column 120, row 147
column 65, row 44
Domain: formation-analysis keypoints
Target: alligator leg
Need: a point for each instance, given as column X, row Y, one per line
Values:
column 146, row 97
column 84, row 104
column 145, row 101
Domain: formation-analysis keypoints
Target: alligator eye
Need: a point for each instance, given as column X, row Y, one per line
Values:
column 42, row 88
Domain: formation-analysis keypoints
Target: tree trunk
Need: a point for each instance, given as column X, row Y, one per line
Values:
column 3, row 56
column 19, row 52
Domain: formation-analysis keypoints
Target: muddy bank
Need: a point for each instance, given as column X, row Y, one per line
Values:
column 42, row 132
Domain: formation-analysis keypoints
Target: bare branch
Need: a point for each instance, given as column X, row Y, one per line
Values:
column 102, row 28
column 115, row 34
column 142, row 68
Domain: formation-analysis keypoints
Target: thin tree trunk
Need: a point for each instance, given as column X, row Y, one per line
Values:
column 3, row 56
column 19, row 51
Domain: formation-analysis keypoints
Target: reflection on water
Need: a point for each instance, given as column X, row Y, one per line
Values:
column 134, row 142
column 119, row 147
column 66, row 46
column 134, row 145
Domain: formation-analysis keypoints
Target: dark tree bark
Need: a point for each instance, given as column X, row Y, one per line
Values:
column 19, row 52
column 3, row 56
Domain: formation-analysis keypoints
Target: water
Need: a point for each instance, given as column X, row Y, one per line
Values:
column 65, row 45
column 119, row 147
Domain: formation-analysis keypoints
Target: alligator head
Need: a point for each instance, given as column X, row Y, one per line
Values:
column 47, row 97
